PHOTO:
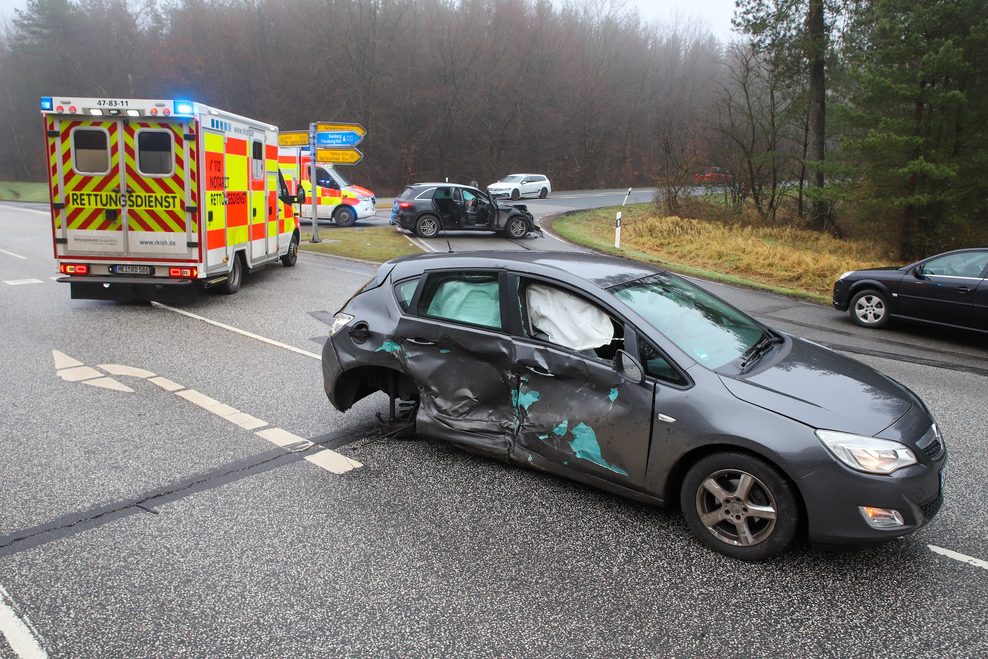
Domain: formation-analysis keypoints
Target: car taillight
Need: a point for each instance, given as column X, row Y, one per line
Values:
column 404, row 204
column 186, row 273
column 73, row 268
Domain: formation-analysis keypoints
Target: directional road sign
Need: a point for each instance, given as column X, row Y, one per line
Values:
column 293, row 138
column 328, row 127
column 338, row 138
column 346, row 156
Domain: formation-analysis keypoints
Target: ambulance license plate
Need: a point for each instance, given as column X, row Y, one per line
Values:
column 132, row 269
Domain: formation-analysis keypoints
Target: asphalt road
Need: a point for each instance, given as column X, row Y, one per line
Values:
column 141, row 519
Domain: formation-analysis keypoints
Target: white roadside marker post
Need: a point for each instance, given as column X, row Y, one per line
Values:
column 617, row 222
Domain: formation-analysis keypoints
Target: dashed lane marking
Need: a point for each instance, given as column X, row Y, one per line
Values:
column 963, row 558
column 16, row 256
column 230, row 328
column 72, row 370
column 20, row 634
column 22, row 282
column 166, row 384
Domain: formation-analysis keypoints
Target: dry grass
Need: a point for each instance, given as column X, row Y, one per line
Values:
column 368, row 243
column 782, row 258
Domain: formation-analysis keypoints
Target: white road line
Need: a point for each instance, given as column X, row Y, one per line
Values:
column 26, row 210
column 109, row 383
column 420, row 244
column 64, row 361
column 78, row 373
column 283, row 438
column 256, row 337
column 16, row 256
column 167, row 384
column 21, row 282
column 333, row 462
column 121, row 369
column 963, row 558
column 20, row 635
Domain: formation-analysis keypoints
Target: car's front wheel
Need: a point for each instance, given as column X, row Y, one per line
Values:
column 427, row 226
column 515, row 194
column 344, row 216
column 869, row 309
column 740, row 505
column 517, row 227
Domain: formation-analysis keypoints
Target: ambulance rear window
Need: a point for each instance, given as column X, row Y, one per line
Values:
column 155, row 153
column 90, row 151
column 257, row 161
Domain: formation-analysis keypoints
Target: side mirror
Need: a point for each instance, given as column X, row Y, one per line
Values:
column 628, row 367
column 918, row 272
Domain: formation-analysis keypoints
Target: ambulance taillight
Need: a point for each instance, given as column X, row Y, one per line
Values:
column 73, row 268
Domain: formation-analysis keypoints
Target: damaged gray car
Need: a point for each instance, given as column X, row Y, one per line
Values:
column 634, row 380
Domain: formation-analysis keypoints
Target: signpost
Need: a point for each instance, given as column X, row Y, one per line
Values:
column 330, row 143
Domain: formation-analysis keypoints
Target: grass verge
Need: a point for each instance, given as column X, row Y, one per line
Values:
column 787, row 261
column 377, row 244
column 24, row 191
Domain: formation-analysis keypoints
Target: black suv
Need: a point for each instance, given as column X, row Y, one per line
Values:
column 428, row 208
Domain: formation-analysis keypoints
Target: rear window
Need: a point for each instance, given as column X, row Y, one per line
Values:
column 406, row 193
column 90, row 151
column 426, row 194
column 155, row 152
column 257, row 161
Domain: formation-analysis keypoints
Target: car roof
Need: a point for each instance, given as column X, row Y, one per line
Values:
column 435, row 185
column 603, row 271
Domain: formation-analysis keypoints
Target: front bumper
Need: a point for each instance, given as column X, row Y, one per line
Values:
column 834, row 493
column 841, row 295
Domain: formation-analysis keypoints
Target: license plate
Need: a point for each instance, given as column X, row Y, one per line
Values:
column 132, row 269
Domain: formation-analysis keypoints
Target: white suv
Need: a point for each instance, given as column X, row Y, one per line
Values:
column 521, row 185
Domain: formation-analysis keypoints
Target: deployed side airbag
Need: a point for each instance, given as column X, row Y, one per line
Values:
column 566, row 319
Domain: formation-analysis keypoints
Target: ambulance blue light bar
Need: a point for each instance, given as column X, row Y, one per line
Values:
column 46, row 103
column 184, row 107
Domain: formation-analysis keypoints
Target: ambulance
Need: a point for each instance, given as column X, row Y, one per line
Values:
column 155, row 199
column 339, row 201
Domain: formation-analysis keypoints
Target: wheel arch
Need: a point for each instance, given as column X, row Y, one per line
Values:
column 866, row 284
column 676, row 475
column 357, row 383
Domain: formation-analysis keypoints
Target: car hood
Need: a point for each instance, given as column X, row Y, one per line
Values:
column 360, row 190
column 512, row 207
column 888, row 268
column 823, row 389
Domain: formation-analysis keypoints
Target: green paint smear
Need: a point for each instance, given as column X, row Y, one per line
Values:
column 444, row 351
column 527, row 398
column 543, row 436
column 561, row 428
column 529, row 458
column 389, row 346
column 585, row 447
column 613, row 395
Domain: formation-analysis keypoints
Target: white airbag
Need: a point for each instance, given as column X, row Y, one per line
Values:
column 566, row 319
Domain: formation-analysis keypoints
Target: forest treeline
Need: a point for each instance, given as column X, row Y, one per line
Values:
column 848, row 116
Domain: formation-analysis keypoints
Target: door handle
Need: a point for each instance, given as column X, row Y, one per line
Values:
column 964, row 289
column 422, row 342
column 534, row 368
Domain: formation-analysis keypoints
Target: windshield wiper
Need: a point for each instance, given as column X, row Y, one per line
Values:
column 759, row 350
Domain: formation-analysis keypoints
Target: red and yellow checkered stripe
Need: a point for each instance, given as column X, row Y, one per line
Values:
column 77, row 217
column 158, row 220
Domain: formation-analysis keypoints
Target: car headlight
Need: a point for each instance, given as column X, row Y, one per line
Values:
column 849, row 272
column 875, row 456
column 340, row 321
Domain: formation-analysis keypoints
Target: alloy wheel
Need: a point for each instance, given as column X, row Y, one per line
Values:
column 870, row 309
column 736, row 507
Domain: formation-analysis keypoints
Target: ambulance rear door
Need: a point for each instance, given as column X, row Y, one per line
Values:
column 123, row 189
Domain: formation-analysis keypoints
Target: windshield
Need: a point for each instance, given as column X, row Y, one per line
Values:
column 710, row 331
column 514, row 178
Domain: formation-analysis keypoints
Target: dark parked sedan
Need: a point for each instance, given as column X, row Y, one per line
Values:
column 946, row 289
column 429, row 208
column 631, row 379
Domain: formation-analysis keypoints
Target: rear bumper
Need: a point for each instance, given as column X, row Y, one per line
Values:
column 129, row 289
